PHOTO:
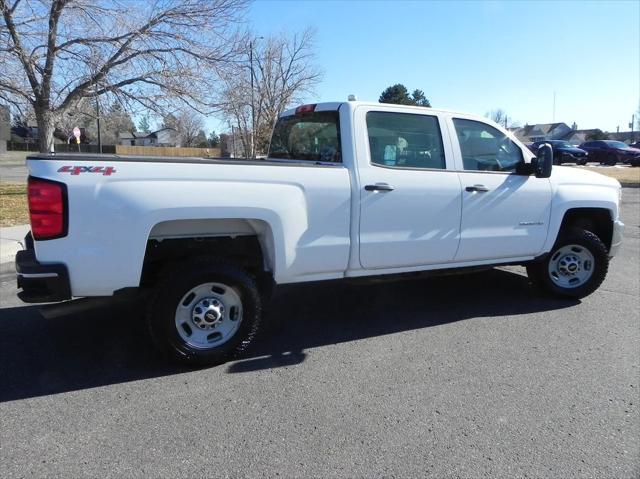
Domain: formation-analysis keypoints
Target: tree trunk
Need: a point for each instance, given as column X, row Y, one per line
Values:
column 45, row 131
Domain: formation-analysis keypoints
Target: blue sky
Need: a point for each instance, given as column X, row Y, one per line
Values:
column 476, row 56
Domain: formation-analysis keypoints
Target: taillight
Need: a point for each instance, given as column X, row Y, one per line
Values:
column 306, row 109
column 47, row 208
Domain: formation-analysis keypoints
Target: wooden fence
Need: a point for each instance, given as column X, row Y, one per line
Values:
column 166, row 151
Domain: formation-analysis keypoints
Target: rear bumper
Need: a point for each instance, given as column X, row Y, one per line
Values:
column 616, row 238
column 41, row 283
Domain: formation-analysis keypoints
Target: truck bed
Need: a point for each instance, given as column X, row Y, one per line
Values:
column 93, row 157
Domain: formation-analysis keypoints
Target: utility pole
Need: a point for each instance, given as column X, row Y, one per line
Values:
column 253, row 108
column 554, row 108
column 633, row 121
column 98, row 119
column 233, row 142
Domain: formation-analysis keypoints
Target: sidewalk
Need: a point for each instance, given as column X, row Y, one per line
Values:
column 11, row 241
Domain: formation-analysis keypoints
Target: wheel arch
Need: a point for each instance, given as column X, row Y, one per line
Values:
column 597, row 220
column 248, row 242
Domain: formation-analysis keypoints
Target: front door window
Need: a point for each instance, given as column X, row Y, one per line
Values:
column 484, row 148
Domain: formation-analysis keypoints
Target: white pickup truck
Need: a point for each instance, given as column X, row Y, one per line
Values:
column 348, row 190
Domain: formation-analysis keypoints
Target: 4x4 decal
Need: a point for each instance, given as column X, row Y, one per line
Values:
column 76, row 170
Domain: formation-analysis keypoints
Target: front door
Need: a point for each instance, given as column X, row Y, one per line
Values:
column 409, row 202
column 504, row 214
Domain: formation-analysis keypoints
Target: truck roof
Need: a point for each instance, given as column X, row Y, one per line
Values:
column 335, row 105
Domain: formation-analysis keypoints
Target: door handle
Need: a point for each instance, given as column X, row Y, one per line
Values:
column 379, row 187
column 478, row 188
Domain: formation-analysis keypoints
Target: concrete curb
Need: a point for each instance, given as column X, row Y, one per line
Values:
column 12, row 241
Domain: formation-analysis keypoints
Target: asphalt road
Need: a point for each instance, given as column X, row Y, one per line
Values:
column 467, row 376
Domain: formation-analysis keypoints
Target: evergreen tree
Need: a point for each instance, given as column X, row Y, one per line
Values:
column 214, row 139
column 143, row 125
column 597, row 135
column 396, row 94
column 419, row 99
column 115, row 121
column 399, row 95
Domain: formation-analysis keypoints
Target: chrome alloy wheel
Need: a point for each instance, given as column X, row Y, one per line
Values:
column 571, row 266
column 208, row 315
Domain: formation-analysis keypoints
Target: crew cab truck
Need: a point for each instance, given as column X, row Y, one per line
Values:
column 349, row 189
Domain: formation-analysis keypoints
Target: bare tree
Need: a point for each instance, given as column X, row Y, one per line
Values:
column 57, row 54
column 187, row 124
column 498, row 115
column 190, row 124
column 284, row 72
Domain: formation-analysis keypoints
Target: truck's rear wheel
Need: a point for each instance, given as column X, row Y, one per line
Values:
column 204, row 312
column 575, row 267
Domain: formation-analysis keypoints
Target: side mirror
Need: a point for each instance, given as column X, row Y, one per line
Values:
column 543, row 161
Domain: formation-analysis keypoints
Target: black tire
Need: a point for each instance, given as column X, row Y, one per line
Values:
column 611, row 159
column 175, row 283
column 540, row 276
column 581, row 162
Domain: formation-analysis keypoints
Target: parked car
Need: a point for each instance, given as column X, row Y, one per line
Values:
column 610, row 152
column 563, row 152
column 349, row 190
column 635, row 145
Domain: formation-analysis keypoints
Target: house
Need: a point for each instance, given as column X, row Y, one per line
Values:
column 126, row 138
column 576, row 137
column 541, row 131
column 165, row 137
column 161, row 137
column 626, row 136
column 560, row 131
column 24, row 133
column 28, row 132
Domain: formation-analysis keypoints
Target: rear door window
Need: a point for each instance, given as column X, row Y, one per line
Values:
column 405, row 140
column 308, row 137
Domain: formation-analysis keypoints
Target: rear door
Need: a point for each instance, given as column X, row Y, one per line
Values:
column 504, row 214
column 410, row 202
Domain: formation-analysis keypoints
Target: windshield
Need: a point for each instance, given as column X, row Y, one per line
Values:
column 616, row 144
column 308, row 137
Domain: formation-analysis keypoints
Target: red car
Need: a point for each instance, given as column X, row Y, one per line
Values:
column 610, row 152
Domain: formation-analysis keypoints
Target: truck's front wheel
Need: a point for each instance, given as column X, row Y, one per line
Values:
column 204, row 312
column 575, row 267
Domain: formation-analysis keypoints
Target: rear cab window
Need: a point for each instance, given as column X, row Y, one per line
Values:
column 307, row 136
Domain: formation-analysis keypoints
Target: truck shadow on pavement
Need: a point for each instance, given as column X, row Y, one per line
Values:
column 108, row 345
